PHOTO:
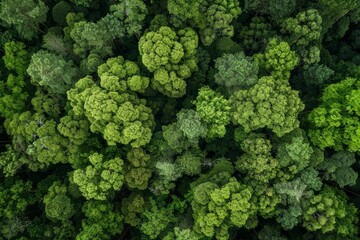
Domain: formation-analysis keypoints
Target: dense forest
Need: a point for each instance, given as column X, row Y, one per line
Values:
column 179, row 119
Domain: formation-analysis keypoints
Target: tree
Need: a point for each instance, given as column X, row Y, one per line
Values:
column 175, row 139
column 15, row 197
column 190, row 162
column 171, row 56
column 120, row 117
column 118, row 74
column 256, row 36
column 37, row 140
column 310, row 177
column 47, row 103
column 100, row 178
column 41, row 228
column 85, row 3
column 16, row 57
column 131, row 13
column 290, row 217
column 138, row 173
column 331, row 11
column 220, row 173
column 213, row 18
column 89, row 36
column 224, row 45
column 11, row 228
column 132, row 207
column 304, row 28
column 186, row 131
column 191, row 124
column 294, row 156
column 318, row 74
column 291, row 193
column 74, row 127
column 214, row 110
column 328, row 211
column 58, row 205
column 155, row 218
column 271, row 232
column 216, row 209
column 278, row 59
column 91, row 63
column 218, row 23
column 102, row 221
column 280, row 9
column 267, row 201
column 55, row 43
column 236, row 71
column 338, row 168
column 267, row 104
column 59, row 12
column 13, row 94
column 179, row 119
column 335, row 120
column 52, row 71
column 257, row 162
column 168, row 172
column 25, row 16
column 11, row 161
column 185, row 234
column 184, row 9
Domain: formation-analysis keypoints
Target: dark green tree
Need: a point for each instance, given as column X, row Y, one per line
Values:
column 26, row 16
column 236, row 71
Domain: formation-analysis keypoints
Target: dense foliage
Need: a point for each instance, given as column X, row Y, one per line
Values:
column 179, row 119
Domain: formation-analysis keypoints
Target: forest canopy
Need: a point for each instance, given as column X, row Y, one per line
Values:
column 179, row 119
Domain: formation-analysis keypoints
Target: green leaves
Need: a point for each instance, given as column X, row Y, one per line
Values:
column 15, row 196
column 89, row 36
column 171, row 56
column 120, row 75
column 74, row 127
column 279, row 9
column 218, row 23
column 155, row 219
column 102, row 221
column 257, row 162
column 120, row 117
column 138, row 173
column 13, row 94
column 335, row 121
column 267, row 104
column 236, row 71
column 303, row 29
column 212, row 18
column 218, row 208
column 25, row 16
column 191, row 124
column 58, row 206
column 52, row 71
column 100, row 179
column 278, row 59
column 338, row 168
column 131, row 13
column 326, row 211
column 214, row 110
column 160, row 48
column 38, row 142
column 180, row 119
column 190, row 162
column 255, row 36
column 295, row 155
